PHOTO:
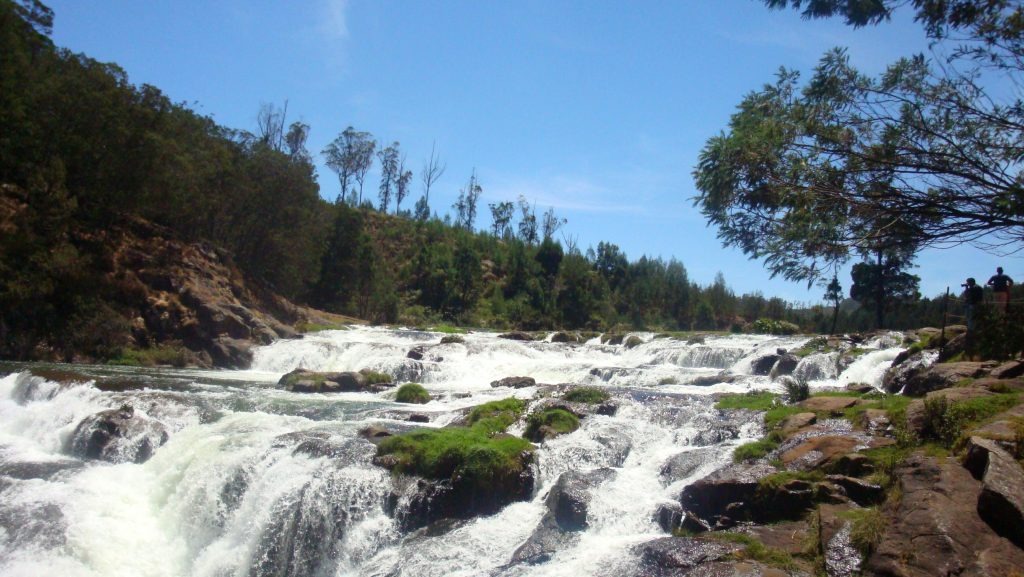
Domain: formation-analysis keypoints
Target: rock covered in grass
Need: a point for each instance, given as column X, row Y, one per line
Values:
column 305, row 381
column 515, row 382
column 412, row 393
column 550, row 422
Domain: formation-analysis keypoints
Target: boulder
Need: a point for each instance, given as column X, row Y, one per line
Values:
column 417, row 502
column 897, row 376
column 763, row 366
column 832, row 405
column 862, row 492
column 784, row 366
column 304, row 381
column 566, row 515
column 1001, row 503
column 798, row 421
column 670, row 556
column 515, row 382
column 816, row 452
column 1009, row 370
column 710, row 497
column 685, row 464
column 516, row 336
column 942, row 376
column 564, row 337
column 416, row 353
column 935, row 528
column 118, row 436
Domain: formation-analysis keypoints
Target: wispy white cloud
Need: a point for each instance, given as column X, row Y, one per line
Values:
column 334, row 19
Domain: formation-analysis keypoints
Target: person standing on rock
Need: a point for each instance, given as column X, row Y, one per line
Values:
column 972, row 297
column 1000, row 284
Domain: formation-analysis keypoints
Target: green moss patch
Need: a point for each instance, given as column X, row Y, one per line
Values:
column 175, row 356
column 496, row 416
column 375, row 378
column 754, row 550
column 588, row 395
column 412, row 393
column 550, row 422
column 469, row 453
column 754, row 401
column 757, row 449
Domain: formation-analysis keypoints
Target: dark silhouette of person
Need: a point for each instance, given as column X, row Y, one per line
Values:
column 1000, row 284
column 972, row 297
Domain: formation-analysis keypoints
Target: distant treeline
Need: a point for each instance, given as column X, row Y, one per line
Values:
column 83, row 149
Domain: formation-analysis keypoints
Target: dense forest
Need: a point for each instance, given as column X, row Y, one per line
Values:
column 82, row 150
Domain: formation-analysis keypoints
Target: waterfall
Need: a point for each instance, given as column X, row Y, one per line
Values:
column 246, row 479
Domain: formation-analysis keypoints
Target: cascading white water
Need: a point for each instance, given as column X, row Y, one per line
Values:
column 257, row 481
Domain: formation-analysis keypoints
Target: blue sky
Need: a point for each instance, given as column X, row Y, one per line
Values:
column 596, row 108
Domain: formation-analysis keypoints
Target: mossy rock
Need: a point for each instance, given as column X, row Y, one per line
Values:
column 496, row 416
column 587, row 395
column 612, row 338
column 550, row 423
column 633, row 341
column 413, row 393
column 452, row 339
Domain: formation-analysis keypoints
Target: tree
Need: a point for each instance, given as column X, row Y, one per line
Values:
column 501, row 213
column 834, row 295
column 432, row 171
column 295, row 140
column 810, row 174
column 883, row 285
column 550, row 224
column 465, row 206
column 402, row 185
column 527, row 222
column 388, row 174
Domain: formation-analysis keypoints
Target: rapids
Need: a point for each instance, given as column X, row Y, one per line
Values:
column 256, row 481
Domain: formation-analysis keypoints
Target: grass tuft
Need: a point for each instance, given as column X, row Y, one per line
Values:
column 588, row 395
column 413, row 393
column 550, row 422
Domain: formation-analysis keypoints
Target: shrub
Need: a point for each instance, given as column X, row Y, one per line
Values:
column 774, row 327
column 946, row 422
column 588, row 395
column 412, row 393
column 796, row 389
column 550, row 422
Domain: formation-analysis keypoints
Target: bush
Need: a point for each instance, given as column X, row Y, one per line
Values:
column 588, row 395
column 550, row 422
column 796, row 389
column 413, row 393
column 947, row 422
column 774, row 327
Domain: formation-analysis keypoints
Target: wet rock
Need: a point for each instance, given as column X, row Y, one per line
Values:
column 710, row 497
column 672, row 556
column 786, row 364
column 564, row 337
column 418, row 419
column 935, row 528
column 416, row 353
column 305, row 381
column 633, row 341
column 37, row 470
column 685, row 464
column 451, row 340
column 1001, row 503
column 708, row 380
column 229, row 352
column 566, row 515
column 516, row 336
column 417, row 502
column 763, row 366
column 897, row 376
column 515, row 382
column 374, row 433
column 118, row 436
column 612, row 339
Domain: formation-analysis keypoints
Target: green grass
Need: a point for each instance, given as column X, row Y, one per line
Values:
column 588, row 395
column 815, row 345
column 375, row 378
column 754, row 400
column 949, row 422
column 754, row 550
column 775, row 480
column 895, row 405
column 448, row 330
column 496, row 416
column 776, row 415
column 468, row 453
column 559, row 421
column 867, row 527
column 757, row 449
column 413, row 393
column 159, row 355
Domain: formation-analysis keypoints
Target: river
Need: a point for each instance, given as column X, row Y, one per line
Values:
column 232, row 489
